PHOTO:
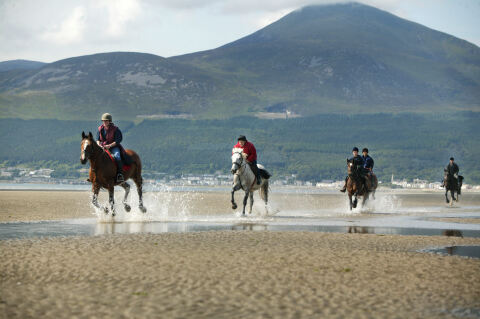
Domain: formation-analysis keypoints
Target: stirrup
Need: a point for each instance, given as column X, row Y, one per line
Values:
column 120, row 178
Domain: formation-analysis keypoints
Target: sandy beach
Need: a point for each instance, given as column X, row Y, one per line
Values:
column 226, row 274
column 237, row 275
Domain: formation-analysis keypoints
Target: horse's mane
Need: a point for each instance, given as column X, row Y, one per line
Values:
column 239, row 151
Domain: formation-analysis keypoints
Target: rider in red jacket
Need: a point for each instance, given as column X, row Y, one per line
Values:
column 251, row 152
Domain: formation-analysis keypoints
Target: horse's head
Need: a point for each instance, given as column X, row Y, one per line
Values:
column 350, row 167
column 237, row 159
column 86, row 146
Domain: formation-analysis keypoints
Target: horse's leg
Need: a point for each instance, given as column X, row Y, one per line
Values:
column 139, row 182
column 234, row 189
column 245, row 198
column 350, row 200
column 126, row 187
column 365, row 197
column 96, row 190
column 111, row 199
column 452, row 191
column 251, row 203
column 446, row 195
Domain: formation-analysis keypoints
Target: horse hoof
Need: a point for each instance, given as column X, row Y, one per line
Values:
column 143, row 209
column 113, row 214
column 127, row 208
column 105, row 210
column 234, row 206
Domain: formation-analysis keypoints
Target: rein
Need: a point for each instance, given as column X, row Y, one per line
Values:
column 243, row 165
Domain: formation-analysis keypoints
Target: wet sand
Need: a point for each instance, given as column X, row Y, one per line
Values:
column 237, row 275
column 226, row 274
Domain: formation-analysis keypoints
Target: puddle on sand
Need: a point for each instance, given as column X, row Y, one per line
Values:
column 90, row 227
column 464, row 251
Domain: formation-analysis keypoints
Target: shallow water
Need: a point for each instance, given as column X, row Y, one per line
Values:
column 464, row 251
column 91, row 227
column 290, row 209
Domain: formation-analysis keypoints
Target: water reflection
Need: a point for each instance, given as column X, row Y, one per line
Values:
column 92, row 227
column 250, row 227
column 452, row 233
column 465, row 251
column 360, row 230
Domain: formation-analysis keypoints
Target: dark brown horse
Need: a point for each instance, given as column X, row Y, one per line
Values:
column 356, row 186
column 103, row 171
column 454, row 185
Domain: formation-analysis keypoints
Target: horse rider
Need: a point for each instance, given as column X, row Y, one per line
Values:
column 248, row 148
column 109, row 137
column 451, row 170
column 358, row 164
column 368, row 161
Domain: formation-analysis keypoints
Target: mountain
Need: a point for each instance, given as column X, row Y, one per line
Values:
column 20, row 65
column 127, row 84
column 350, row 57
column 344, row 58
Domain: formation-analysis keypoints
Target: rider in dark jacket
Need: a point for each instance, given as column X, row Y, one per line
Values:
column 109, row 137
column 368, row 161
column 451, row 171
column 359, row 166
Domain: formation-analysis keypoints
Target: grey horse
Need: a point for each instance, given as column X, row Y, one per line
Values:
column 244, row 178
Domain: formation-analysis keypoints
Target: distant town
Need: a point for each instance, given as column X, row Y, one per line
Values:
column 44, row 175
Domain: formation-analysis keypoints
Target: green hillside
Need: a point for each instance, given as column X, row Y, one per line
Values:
column 407, row 145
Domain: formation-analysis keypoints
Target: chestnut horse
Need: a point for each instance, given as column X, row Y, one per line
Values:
column 356, row 187
column 103, row 172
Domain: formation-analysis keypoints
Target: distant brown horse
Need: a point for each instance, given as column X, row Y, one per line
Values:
column 356, row 186
column 103, row 172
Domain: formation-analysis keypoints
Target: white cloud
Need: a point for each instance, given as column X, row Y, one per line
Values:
column 48, row 30
column 120, row 12
column 69, row 30
column 271, row 17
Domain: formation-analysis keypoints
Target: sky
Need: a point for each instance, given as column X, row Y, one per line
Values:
column 50, row 30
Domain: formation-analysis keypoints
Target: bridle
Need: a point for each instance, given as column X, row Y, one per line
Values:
column 87, row 150
column 238, row 164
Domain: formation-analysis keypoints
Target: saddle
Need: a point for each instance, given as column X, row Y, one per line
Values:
column 126, row 167
column 264, row 173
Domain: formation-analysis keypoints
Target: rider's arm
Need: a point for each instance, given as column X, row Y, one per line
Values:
column 98, row 138
column 118, row 137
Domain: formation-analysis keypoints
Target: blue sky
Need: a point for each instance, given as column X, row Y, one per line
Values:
column 51, row 30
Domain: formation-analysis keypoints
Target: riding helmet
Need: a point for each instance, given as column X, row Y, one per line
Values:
column 451, row 158
column 107, row 116
column 365, row 150
column 355, row 149
column 242, row 138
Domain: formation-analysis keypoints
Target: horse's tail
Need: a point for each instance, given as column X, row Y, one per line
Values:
column 264, row 191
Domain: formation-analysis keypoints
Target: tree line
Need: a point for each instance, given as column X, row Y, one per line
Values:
column 314, row 148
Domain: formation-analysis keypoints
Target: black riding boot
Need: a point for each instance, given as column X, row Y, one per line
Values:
column 344, row 188
column 120, row 177
column 257, row 174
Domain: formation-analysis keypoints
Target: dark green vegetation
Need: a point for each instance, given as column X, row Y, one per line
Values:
column 347, row 58
column 407, row 145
